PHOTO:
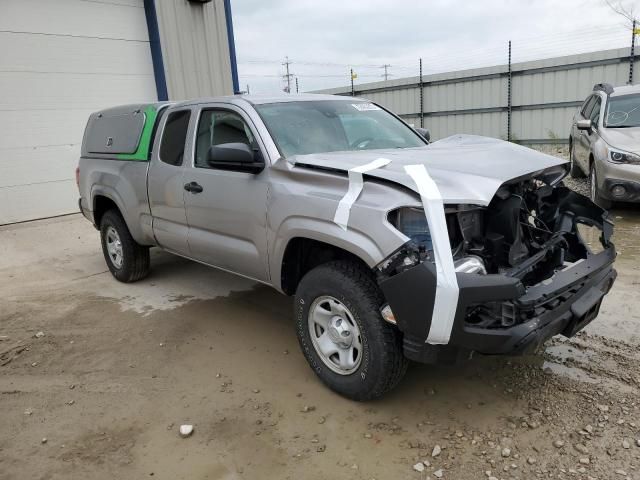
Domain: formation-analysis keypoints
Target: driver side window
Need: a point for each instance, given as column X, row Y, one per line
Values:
column 217, row 127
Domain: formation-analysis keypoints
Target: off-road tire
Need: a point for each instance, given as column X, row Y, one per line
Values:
column 383, row 364
column 575, row 170
column 135, row 264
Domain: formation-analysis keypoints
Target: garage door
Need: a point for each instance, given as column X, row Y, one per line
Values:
column 59, row 61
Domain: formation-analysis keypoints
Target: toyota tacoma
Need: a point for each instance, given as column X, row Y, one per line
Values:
column 394, row 248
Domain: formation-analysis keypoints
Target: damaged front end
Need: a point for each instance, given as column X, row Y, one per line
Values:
column 524, row 267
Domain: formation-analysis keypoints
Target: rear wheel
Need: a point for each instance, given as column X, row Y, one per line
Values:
column 342, row 334
column 575, row 171
column 127, row 260
column 595, row 194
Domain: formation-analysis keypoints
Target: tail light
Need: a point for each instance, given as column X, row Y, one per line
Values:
column 78, row 176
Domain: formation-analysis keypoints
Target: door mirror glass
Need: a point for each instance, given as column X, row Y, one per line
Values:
column 584, row 124
column 424, row 133
column 235, row 156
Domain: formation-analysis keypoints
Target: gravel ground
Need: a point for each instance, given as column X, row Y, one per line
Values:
column 96, row 378
column 580, row 185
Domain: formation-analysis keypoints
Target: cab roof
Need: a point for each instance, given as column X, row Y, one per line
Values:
column 266, row 99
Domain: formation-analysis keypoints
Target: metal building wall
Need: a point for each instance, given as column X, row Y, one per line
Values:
column 545, row 96
column 195, row 48
column 60, row 61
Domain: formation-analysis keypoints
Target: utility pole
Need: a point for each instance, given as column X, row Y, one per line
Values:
column 421, row 98
column 297, row 85
column 287, row 76
column 509, row 97
column 632, row 53
column 352, row 90
column 386, row 73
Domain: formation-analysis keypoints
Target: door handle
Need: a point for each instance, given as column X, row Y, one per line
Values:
column 193, row 187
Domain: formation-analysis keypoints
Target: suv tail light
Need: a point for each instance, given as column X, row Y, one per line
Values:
column 78, row 176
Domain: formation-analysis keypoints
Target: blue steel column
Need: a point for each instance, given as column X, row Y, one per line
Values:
column 156, row 50
column 232, row 46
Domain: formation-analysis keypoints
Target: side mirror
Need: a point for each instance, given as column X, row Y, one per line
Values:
column 238, row 157
column 424, row 133
column 584, row 124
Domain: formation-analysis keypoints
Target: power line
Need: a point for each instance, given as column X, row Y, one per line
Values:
column 574, row 37
column 527, row 48
column 287, row 76
column 305, row 75
column 386, row 74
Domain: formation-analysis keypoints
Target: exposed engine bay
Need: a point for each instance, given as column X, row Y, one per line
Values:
column 530, row 232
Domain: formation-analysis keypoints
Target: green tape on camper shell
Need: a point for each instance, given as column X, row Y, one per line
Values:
column 142, row 153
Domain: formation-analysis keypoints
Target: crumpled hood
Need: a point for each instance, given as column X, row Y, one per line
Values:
column 466, row 168
column 627, row 139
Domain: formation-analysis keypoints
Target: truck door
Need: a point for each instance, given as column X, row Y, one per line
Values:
column 165, row 181
column 226, row 209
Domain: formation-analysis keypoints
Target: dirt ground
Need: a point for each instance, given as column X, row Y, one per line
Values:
column 118, row 368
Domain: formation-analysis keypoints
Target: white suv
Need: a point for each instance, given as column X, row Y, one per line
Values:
column 605, row 143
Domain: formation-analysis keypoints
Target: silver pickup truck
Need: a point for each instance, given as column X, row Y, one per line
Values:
column 395, row 248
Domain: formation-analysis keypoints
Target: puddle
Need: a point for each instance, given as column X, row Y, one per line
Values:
column 566, row 360
column 566, row 352
column 571, row 373
column 625, row 233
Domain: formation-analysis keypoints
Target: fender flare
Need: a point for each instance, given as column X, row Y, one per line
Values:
column 112, row 194
column 353, row 241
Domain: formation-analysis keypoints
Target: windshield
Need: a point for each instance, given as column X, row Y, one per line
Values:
column 301, row 128
column 623, row 111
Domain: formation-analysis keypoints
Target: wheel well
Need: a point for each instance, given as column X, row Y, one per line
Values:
column 102, row 205
column 303, row 255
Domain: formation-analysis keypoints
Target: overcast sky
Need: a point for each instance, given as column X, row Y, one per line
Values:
column 324, row 38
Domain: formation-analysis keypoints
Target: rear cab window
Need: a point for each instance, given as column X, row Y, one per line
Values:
column 174, row 137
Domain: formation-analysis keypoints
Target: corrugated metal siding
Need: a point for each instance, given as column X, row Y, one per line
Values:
column 451, row 98
column 195, row 48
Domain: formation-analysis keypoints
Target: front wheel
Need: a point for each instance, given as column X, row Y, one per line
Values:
column 342, row 334
column 127, row 260
column 595, row 193
column 575, row 171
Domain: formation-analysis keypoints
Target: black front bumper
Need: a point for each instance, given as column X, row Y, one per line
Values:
column 563, row 305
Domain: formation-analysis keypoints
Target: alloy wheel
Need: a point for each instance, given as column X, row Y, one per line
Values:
column 114, row 247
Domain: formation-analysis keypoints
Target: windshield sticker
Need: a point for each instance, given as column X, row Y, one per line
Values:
column 365, row 107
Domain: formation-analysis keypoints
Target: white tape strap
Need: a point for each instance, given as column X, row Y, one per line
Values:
column 446, row 302
column 356, row 182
